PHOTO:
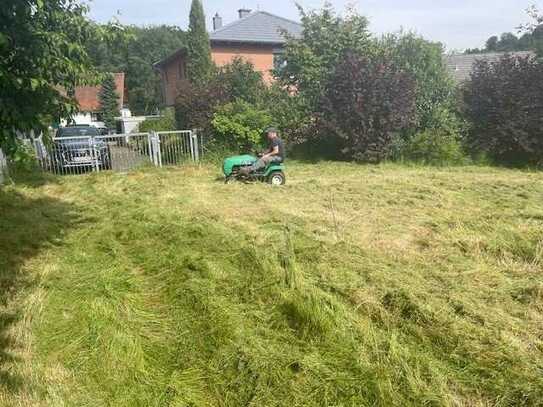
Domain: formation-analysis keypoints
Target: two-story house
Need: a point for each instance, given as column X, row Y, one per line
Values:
column 257, row 37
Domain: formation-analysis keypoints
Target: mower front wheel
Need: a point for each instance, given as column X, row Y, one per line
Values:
column 277, row 178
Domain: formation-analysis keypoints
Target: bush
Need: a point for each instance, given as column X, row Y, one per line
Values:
column 197, row 103
column 435, row 148
column 504, row 100
column 290, row 113
column 423, row 60
column 165, row 123
column 240, row 125
column 440, row 144
column 365, row 103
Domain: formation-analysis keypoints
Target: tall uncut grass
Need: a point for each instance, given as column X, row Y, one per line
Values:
column 350, row 286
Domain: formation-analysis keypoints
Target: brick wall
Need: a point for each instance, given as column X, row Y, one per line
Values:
column 261, row 56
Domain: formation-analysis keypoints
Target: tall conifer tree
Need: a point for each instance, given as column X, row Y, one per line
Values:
column 199, row 51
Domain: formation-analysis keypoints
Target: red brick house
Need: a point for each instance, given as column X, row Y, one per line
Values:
column 256, row 37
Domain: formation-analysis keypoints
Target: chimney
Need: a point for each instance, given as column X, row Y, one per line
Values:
column 244, row 12
column 217, row 22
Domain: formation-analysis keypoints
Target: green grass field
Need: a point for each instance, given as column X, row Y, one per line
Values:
column 350, row 286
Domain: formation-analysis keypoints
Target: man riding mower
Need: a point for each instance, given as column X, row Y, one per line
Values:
column 267, row 167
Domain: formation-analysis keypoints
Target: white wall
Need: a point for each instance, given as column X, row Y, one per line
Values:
column 83, row 118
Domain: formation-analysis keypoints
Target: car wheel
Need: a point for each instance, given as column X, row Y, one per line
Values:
column 277, row 178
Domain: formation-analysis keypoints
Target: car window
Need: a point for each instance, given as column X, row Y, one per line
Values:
column 77, row 132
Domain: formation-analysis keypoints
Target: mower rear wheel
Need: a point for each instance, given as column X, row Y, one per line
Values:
column 277, row 178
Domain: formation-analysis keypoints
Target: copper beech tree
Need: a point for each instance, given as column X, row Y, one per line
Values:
column 365, row 103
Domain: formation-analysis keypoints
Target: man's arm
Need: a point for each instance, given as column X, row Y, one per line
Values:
column 273, row 151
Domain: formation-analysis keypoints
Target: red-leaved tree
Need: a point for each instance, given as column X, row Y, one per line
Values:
column 366, row 102
column 504, row 102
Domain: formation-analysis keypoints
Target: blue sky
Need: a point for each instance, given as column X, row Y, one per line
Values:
column 458, row 24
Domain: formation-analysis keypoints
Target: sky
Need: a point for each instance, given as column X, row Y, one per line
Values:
column 458, row 24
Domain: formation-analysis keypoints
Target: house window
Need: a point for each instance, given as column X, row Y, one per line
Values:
column 182, row 70
column 96, row 117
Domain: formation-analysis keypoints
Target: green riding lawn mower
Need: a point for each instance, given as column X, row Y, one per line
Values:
column 274, row 173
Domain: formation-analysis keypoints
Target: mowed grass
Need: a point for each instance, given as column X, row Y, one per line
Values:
column 350, row 286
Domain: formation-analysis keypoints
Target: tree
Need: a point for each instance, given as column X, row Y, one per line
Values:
column 237, row 81
column 109, row 101
column 492, row 44
column 366, row 101
column 134, row 54
column 42, row 43
column 242, row 81
column 423, row 60
column 504, row 101
column 508, row 43
column 313, row 57
column 199, row 50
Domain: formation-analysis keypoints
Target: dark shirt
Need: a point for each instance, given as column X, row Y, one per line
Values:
column 277, row 142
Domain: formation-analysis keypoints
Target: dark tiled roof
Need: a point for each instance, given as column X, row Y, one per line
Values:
column 258, row 27
column 461, row 65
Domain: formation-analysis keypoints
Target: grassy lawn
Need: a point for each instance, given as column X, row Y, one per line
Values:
column 350, row 286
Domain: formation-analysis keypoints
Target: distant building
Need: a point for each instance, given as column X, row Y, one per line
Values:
column 461, row 66
column 89, row 103
column 257, row 37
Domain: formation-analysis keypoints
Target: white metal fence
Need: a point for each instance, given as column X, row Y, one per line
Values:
column 118, row 152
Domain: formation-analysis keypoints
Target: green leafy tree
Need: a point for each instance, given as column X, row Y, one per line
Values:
column 199, row 50
column 242, row 81
column 508, row 43
column 312, row 58
column 199, row 101
column 109, row 101
column 134, row 54
column 492, row 44
column 423, row 60
column 42, row 48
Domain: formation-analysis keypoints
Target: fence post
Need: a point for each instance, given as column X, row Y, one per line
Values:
column 191, row 145
column 3, row 167
column 155, row 153
column 92, row 147
column 158, row 150
column 150, row 146
column 194, row 135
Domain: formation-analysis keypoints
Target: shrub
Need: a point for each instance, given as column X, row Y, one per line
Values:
column 433, row 147
column 165, row 123
column 423, row 60
column 240, row 125
column 365, row 103
column 290, row 113
column 197, row 103
column 440, row 144
column 504, row 100
column 242, row 81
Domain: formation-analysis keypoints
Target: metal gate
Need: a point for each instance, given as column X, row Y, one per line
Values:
column 118, row 152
